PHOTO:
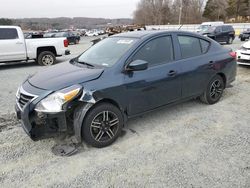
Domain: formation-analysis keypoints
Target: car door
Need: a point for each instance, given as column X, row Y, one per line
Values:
column 225, row 33
column 219, row 36
column 160, row 84
column 196, row 63
column 12, row 46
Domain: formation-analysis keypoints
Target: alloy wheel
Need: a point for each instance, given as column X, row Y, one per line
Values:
column 216, row 90
column 104, row 126
column 47, row 60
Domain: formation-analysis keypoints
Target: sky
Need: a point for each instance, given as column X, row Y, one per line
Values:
column 67, row 8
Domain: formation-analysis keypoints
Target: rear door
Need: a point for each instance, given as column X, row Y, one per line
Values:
column 195, row 64
column 12, row 45
column 219, row 36
column 160, row 84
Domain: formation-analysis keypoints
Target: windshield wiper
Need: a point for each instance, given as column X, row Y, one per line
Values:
column 84, row 63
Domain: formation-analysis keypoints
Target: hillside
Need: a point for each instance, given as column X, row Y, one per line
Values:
column 64, row 23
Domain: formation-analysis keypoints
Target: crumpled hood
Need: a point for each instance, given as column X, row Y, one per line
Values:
column 63, row 75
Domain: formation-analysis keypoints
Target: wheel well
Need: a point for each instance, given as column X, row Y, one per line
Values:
column 47, row 48
column 111, row 102
column 223, row 77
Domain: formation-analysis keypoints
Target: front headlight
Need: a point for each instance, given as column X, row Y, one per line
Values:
column 54, row 102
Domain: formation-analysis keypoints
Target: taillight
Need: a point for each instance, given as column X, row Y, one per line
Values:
column 66, row 43
column 233, row 54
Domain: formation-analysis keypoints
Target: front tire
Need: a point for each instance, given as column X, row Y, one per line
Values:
column 102, row 125
column 214, row 90
column 46, row 58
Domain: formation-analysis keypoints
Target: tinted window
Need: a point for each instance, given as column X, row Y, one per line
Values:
column 218, row 29
column 157, row 51
column 224, row 28
column 204, row 46
column 6, row 33
column 190, row 46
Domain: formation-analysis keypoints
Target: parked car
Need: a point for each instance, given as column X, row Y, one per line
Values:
column 92, row 33
column 245, row 35
column 49, row 35
column 222, row 33
column 243, row 54
column 71, row 37
column 14, row 47
column 93, row 95
column 205, row 25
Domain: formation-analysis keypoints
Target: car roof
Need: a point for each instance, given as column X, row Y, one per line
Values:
column 142, row 34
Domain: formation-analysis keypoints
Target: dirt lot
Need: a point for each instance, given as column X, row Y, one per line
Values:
column 187, row 145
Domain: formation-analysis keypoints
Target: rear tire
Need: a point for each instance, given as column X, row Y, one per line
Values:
column 213, row 91
column 230, row 40
column 102, row 125
column 46, row 58
column 242, row 39
column 76, row 41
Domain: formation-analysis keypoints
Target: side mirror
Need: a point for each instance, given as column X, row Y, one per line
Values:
column 137, row 65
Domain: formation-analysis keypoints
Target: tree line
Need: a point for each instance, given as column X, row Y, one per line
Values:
column 161, row 12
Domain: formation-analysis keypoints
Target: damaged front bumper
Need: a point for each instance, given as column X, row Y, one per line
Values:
column 40, row 125
column 36, row 124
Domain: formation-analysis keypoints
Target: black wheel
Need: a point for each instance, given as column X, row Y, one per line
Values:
column 230, row 40
column 102, row 125
column 76, row 41
column 214, row 90
column 242, row 39
column 46, row 58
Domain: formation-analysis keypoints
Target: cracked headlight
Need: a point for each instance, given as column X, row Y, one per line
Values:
column 54, row 102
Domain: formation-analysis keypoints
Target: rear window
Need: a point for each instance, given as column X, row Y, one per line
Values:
column 190, row 46
column 204, row 46
column 8, row 33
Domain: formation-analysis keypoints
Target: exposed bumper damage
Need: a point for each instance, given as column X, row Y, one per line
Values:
column 40, row 125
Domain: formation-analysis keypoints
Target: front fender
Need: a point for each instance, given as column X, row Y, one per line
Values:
column 79, row 115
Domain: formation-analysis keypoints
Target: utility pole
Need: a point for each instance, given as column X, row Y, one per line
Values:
column 180, row 13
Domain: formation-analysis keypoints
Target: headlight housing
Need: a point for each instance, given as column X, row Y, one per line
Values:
column 54, row 102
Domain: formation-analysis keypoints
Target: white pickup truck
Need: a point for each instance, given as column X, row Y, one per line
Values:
column 14, row 47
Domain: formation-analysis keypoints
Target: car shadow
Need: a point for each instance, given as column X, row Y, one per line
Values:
column 15, row 65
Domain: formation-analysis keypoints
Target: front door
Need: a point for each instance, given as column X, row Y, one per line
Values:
column 12, row 46
column 160, row 84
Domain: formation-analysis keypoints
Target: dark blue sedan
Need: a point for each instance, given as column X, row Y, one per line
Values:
column 126, row 75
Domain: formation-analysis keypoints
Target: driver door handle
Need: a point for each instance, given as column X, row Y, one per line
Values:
column 172, row 73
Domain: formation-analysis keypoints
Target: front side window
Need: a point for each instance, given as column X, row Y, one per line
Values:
column 8, row 33
column 190, row 46
column 107, row 52
column 156, row 51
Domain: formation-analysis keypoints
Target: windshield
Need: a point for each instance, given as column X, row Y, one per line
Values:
column 107, row 52
column 203, row 27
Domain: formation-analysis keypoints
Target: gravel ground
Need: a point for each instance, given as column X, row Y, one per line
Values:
column 187, row 145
